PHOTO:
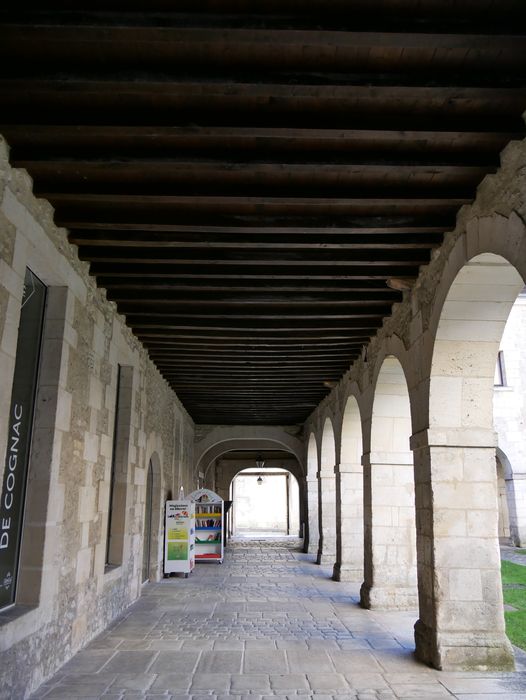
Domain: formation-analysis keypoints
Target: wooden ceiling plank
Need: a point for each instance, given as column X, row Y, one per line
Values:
column 50, row 141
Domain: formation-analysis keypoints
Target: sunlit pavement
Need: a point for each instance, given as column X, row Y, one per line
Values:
column 267, row 623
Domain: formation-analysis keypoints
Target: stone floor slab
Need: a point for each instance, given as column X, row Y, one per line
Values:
column 88, row 661
column 354, row 660
column 130, row 662
column 289, row 681
column 266, row 625
column 265, row 661
column 176, row 661
column 251, row 681
column 172, row 682
column 327, row 681
column 210, row 681
column 220, row 662
column 308, row 660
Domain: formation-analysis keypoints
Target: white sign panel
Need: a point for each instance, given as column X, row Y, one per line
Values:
column 179, row 541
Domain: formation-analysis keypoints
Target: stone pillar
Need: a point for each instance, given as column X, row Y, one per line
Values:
column 461, row 623
column 389, row 534
column 349, row 522
column 516, row 490
column 312, row 514
column 327, row 519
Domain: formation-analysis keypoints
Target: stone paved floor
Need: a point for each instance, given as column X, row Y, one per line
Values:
column 266, row 624
column 512, row 554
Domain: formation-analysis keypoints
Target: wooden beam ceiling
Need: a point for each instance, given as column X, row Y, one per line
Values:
column 244, row 176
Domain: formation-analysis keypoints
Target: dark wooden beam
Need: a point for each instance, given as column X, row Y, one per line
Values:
column 130, row 101
column 47, row 141
column 262, row 179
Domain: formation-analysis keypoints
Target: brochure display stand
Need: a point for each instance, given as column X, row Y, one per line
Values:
column 179, row 541
column 208, row 526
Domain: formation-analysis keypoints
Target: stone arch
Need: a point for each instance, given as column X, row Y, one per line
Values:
column 157, row 529
column 213, row 454
column 455, row 457
column 504, row 531
column 327, row 496
column 313, row 533
column 312, row 456
column 219, row 474
column 507, row 469
column 467, row 341
column 267, row 500
column 293, row 467
column 509, row 501
column 349, row 496
column 222, row 439
column 328, row 447
column 504, row 237
column 389, row 496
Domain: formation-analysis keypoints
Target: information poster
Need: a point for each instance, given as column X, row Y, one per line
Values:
column 179, row 556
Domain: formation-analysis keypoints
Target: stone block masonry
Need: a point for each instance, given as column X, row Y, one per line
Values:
column 66, row 591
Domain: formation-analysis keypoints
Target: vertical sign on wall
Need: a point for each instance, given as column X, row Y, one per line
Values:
column 19, row 433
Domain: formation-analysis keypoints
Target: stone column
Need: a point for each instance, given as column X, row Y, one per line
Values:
column 389, row 534
column 349, row 522
column 327, row 519
column 461, row 623
column 312, row 514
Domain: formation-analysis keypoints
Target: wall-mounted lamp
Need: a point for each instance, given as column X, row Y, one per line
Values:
column 260, row 480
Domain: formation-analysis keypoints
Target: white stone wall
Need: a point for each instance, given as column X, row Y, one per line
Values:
column 509, row 412
column 66, row 593
column 261, row 507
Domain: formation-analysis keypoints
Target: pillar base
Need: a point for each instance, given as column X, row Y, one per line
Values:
column 463, row 651
column 325, row 559
column 347, row 572
column 388, row 597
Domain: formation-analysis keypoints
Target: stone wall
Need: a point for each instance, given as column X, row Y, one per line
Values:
column 445, row 335
column 67, row 593
column 509, row 409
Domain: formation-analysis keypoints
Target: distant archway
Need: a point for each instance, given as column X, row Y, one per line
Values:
column 313, row 496
column 349, row 498
column 327, row 497
column 153, row 528
column 266, row 503
column 389, row 503
column 504, row 531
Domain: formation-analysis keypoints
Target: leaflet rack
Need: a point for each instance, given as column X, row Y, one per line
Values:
column 209, row 509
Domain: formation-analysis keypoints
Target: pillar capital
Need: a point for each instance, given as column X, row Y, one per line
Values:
column 453, row 437
column 369, row 459
column 348, row 468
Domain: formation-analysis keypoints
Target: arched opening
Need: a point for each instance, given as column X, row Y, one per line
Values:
column 313, row 496
column 153, row 525
column 266, row 503
column 461, row 608
column 147, row 533
column 272, row 464
column 503, row 510
column 509, row 417
column 389, row 503
column 327, row 497
column 514, row 492
column 349, row 498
